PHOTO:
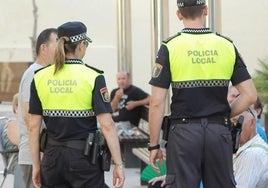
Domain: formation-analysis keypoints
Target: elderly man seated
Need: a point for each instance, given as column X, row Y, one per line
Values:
column 251, row 159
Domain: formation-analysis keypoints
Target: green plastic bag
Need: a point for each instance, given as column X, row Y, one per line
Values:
column 149, row 173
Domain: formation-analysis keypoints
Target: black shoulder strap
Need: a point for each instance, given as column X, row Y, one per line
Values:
column 95, row 69
column 172, row 37
column 227, row 38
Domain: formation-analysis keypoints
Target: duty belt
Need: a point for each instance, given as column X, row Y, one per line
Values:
column 211, row 119
column 75, row 144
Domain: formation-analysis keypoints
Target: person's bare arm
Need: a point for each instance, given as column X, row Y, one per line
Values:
column 118, row 94
column 156, row 114
column 247, row 97
column 26, row 115
column 13, row 132
column 133, row 104
column 110, row 134
column 34, row 132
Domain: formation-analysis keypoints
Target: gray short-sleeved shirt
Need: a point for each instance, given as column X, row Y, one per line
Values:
column 24, row 96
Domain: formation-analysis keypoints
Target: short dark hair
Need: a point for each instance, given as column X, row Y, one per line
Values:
column 192, row 12
column 44, row 37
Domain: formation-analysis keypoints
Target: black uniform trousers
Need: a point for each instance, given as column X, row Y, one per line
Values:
column 63, row 167
column 199, row 151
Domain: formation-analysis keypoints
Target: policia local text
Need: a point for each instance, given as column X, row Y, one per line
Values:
column 203, row 57
column 61, row 86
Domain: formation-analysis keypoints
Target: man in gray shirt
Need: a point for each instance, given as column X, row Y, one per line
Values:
column 45, row 47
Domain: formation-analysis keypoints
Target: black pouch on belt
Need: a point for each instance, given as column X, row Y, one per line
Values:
column 43, row 139
column 105, row 157
column 235, row 132
column 165, row 127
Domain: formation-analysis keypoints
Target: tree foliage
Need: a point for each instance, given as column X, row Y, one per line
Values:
column 261, row 81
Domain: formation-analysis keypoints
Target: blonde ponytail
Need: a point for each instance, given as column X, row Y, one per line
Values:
column 59, row 57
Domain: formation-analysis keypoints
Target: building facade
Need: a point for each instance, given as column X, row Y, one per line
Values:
column 241, row 21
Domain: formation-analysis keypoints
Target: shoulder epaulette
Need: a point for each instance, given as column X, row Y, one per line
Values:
column 170, row 38
column 95, row 69
column 42, row 68
column 227, row 38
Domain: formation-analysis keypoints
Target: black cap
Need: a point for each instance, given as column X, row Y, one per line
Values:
column 190, row 3
column 75, row 31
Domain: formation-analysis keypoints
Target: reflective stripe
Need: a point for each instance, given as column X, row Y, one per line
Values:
column 200, row 83
column 68, row 113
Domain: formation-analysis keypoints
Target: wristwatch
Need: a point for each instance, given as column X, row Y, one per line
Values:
column 150, row 148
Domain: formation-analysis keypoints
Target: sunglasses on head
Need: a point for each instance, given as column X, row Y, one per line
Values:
column 250, row 111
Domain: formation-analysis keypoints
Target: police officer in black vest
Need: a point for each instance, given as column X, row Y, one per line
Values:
column 71, row 97
column 198, row 64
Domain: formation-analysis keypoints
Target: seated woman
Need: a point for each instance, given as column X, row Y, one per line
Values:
column 12, row 126
column 9, row 133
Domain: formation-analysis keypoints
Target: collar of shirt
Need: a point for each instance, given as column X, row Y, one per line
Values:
column 250, row 164
column 74, row 61
column 196, row 30
column 255, row 140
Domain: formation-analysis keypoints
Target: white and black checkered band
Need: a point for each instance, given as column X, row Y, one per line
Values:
column 77, row 38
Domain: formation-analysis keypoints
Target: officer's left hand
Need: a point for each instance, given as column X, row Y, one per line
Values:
column 36, row 177
column 118, row 177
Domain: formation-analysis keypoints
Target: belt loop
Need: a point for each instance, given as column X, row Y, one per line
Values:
column 204, row 121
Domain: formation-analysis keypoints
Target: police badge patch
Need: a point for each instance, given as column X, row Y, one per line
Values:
column 104, row 94
column 157, row 70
